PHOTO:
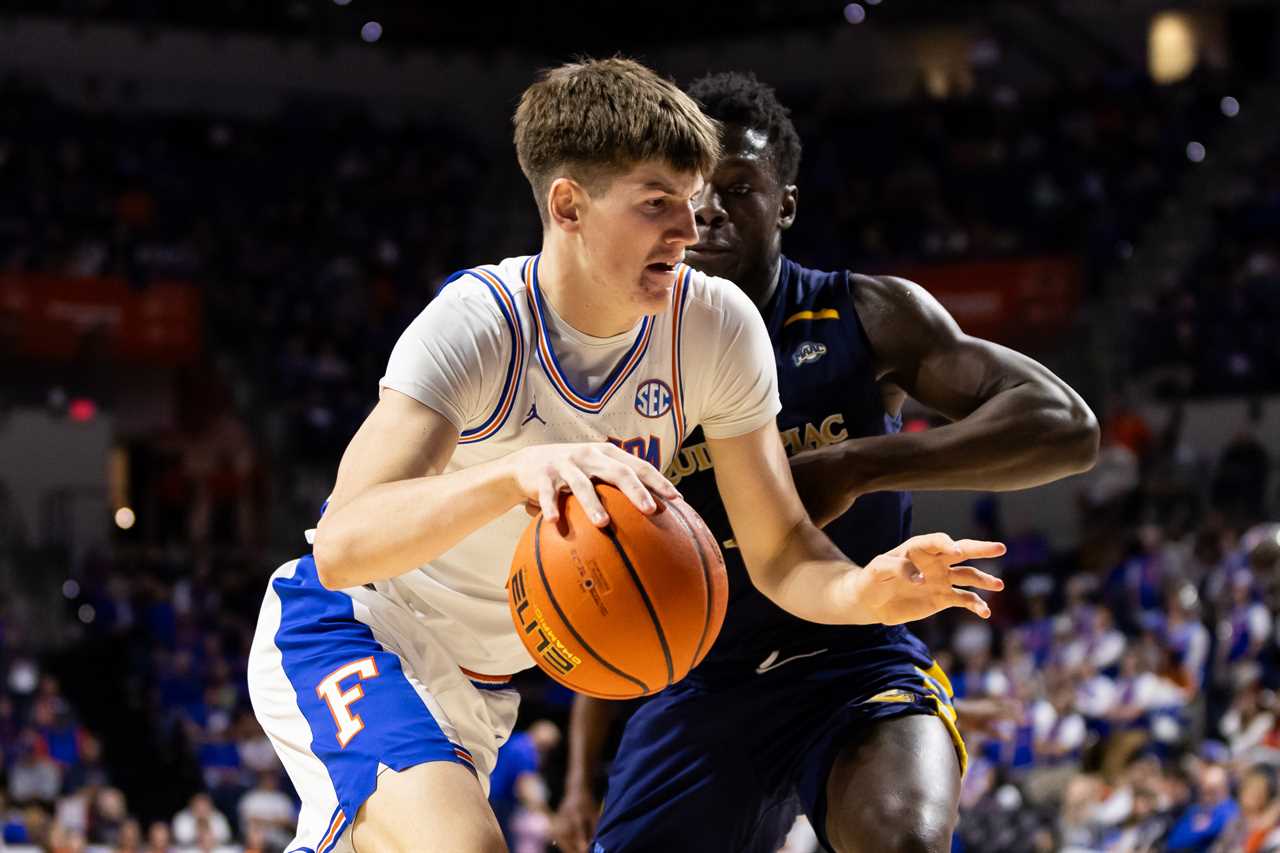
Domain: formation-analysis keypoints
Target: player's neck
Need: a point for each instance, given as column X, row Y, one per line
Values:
column 761, row 295
column 576, row 298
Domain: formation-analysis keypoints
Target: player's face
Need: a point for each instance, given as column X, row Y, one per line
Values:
column 741, row 214
column 637, row 231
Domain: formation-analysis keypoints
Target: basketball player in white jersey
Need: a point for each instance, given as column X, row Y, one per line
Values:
column 380, row 663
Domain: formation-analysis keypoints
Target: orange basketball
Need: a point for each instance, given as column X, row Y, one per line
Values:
column 622, row 611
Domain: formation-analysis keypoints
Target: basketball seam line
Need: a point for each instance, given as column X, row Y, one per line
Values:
column 644, row 595
column 537, row 556
column 706, row 577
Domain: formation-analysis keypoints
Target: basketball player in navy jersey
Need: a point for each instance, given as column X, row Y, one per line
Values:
column 854, row 726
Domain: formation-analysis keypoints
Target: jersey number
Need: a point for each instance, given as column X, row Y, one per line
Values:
column 340, row 701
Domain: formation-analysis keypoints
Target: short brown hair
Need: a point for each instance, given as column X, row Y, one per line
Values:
column 596, row 118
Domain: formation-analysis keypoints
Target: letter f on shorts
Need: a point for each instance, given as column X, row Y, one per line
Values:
column 340, row 701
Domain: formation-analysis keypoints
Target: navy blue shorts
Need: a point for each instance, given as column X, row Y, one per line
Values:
column 728, row 766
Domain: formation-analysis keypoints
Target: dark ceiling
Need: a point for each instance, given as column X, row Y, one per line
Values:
column 590, row 26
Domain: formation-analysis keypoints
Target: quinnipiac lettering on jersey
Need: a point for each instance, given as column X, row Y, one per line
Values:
column 829, row 394
column 694, row 456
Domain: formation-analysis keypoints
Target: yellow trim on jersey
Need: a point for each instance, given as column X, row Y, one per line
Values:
column 933, row 678
column 935, row 672
column 894, row 696
column 824, row 314
column 947, row 714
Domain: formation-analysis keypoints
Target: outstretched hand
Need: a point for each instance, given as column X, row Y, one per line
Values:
column 920, row 578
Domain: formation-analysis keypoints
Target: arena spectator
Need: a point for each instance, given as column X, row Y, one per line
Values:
column 1255, row 828
column 159, row 838
column 130, row 840
column 266, row 808
column 1203, row 822
column 516, row 786
column 200, row 820
column 34, row 777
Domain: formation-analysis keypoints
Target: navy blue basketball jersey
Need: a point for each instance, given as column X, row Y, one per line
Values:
column 829, row 395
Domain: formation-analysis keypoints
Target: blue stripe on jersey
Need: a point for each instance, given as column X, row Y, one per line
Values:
column 556, row 374
column 480, row 685
column 511, row 382
column 319, row 634
column 337, row 823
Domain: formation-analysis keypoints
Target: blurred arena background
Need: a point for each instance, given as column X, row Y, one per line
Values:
column 216, row 218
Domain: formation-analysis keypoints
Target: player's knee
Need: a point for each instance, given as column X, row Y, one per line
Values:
column 894, row 824
column 916, row 835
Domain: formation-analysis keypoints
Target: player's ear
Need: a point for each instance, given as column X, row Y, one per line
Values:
column 564, row 201
column 787, row 209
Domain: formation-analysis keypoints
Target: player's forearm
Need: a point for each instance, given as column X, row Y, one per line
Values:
column 394, row 527
column 589, row 723
column 810, row 578
column 1023, row 437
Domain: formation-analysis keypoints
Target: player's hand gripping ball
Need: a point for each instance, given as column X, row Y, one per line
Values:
column 620, row 611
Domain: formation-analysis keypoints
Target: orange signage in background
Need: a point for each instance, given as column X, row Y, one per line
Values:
column 53, row 318
column 1010, row 301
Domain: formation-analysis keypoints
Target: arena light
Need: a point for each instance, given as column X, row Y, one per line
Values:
column 87, row 614
column 70, row 588
column 1230, row 107
column 854, row 13
column 371, row 31
column 125, row 518
column 1195, row 152
column 1173, row 47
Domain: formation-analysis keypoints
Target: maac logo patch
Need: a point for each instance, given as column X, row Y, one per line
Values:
column 653, row 399
column 809, row 351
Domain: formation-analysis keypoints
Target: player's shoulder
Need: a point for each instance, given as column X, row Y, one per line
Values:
column 489, row 281
column 485, row 295
column 803, row 285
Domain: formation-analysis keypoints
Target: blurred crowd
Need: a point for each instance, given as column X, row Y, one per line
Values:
column 1006, row 173
column 1207, row 328
column 1136, row 671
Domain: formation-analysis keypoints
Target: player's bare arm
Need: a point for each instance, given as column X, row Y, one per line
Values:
column 793, row 562
column 1014, row 423
column 393, row 510
column 574, row 823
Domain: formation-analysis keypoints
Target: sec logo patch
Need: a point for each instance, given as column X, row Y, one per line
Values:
column 653, row 399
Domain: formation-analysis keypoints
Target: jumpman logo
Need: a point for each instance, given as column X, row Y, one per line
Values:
column 533, row 415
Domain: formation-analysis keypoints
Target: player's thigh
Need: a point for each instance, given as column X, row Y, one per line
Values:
column 895, row 788
column 437, row 806
column 686, row 779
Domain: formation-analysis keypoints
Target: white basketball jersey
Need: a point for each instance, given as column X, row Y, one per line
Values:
column 482, row 354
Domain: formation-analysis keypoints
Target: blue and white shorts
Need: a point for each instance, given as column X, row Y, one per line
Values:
column 346, row 692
